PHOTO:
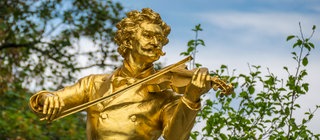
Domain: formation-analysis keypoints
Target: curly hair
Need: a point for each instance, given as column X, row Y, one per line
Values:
column 128, row 26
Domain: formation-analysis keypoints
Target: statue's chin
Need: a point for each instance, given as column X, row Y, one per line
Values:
column 153, row 58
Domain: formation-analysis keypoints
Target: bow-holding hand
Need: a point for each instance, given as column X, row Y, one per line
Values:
column 52, row 106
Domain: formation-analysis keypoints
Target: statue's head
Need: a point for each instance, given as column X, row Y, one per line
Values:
column 130, row 29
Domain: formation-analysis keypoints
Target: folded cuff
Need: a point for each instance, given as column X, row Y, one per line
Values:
column 191, row 105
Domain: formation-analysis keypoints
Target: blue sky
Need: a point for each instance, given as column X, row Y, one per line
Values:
column 238, row 32
column 241, row 29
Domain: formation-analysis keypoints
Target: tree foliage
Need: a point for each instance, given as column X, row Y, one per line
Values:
column 262, row 107
column 39, row 45
column 39, row 39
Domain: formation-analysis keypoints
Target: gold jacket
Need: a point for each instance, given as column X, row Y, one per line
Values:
column 136, row 114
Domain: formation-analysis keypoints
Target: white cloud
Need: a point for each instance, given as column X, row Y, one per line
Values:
column 271, row 23
column 315, row 8
column 252, row 37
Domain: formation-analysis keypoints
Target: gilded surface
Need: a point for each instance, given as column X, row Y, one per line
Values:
column 144, row 111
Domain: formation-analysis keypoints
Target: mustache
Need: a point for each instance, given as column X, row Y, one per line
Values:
column 160, row 52
column 156, row 48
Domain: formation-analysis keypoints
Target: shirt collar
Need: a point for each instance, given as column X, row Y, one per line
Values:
column 126, row 71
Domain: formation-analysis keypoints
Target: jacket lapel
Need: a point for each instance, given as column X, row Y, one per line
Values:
column 105, row 89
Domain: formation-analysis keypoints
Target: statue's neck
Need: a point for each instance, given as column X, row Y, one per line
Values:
column 135, row 67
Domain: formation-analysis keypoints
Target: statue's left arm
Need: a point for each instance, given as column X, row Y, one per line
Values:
column 179, row 117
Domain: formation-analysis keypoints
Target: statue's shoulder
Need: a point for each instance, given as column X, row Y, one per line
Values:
column 95, row 77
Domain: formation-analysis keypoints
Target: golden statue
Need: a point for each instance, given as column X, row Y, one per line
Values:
column 135, row 101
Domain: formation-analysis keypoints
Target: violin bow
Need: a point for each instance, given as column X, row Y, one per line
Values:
column 121, row 91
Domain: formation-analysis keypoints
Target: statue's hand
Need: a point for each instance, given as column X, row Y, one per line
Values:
column 52, row 106
column 200, row 84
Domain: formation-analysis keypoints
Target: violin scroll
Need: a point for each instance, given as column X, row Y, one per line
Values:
column 217, row 83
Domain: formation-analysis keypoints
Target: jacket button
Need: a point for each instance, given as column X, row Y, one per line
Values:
column 133, row 118
column 104, row 115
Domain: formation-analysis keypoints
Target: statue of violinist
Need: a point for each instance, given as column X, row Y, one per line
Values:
column 128, row 104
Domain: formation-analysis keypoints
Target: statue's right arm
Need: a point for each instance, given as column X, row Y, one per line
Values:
column 48, row 105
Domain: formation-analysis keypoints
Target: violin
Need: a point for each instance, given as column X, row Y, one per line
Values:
column 174, row 77
column 180, row 77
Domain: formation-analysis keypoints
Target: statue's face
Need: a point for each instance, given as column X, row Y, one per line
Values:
column 148, row 42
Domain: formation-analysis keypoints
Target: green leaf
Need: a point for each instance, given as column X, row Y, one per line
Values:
column 305, row 87
column 209, row 102
column 311, row 45
column 290, row 37
column 194, row 135
column 190, row 49
column 310, row 117
column 198, row 65
column 243, row 94
column 184, row 53
column 198, row 28
column 233, row 95
column 282, row 89
column 223, row 66
column 287, row 111
column 298, row 43
column 223, row 136
column 251, row 89
column 201, row 42
column 305, row 61
column 304, row 121
column 303, row 73
column 281, row 124
column 306, row 45
column 191, row 43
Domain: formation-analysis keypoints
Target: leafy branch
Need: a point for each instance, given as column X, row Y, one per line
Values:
column 266, row 113
column 294, row 80
column 192, row 47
